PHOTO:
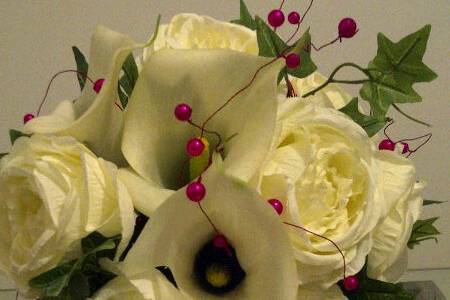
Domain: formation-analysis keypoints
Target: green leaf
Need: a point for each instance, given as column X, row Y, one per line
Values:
column 423, row 230
column 431, row 202
column 269, row 43
column 246, row 18
column 15, row 134
column 54, row 281
column 303, row 49
column 395, row 68
column 369, row 123
column 371, row 289
column 128, row 80
column 66, row 278
column 82, row 66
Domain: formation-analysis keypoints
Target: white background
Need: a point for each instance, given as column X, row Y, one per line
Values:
column 36, row 39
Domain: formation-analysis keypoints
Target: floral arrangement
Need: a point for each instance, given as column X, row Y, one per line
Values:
column 218, row 164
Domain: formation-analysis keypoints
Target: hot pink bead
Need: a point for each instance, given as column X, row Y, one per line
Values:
column 220, row 241
column 277, row 205
column 347, row 28
column 27, row 118
column 195, row 147
column 183, row 112
column 405, row 148
column 386, row 144
column 276, row 18
column 196, row 191
column 293, row 60
column 98, row 85
column 294, row 18
column 351, row 283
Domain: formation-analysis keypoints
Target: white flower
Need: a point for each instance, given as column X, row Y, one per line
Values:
column 53, row 192
column 388, row 257
column 94, row 118
column 151, row 285
column 191, row 31
column 154, row 142
column 333, row 182
column 178, row 230
column 315, row 292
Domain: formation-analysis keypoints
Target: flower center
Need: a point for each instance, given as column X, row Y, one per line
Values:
column 217, row 270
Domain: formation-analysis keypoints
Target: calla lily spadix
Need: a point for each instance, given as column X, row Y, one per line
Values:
column 93, row 118
column 178, row 230
column 154, row 141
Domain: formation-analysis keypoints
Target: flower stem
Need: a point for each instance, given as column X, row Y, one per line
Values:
column 409, row 117
column 332, row 80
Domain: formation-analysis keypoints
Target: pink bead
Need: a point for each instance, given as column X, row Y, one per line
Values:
column 277, row 205
column 196, row 191
column 27, row 118
column 293, row 60
column 405, row 148
column 386, row 144
column 276, row 18
column 294, row 18
column 351, row 283
column 220, row 241
column 183, row 112
column 347, row 28
column 195, row 147
column 98, row 85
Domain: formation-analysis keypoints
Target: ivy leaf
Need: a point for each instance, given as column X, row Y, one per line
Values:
column 246, row 18
column 303, row 49
column 423, row 230
column 431, row 202
column 269, row 43
column 395, row 68
column 15, row 134
column 82, row 66
column 371, row 289
column 63, row 281
column 370, row 124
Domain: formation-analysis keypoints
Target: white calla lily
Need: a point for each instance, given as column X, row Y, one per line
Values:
column 315, row 292
column 151, row 285
column 178, row 230
column 94, row 118
column 154, row 141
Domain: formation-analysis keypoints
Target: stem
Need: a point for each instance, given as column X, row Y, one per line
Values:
column 332, row 80
column 409, row 117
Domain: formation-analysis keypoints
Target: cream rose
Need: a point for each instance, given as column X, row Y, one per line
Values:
column 54, row 191
column 191, row 31
column 388, row 257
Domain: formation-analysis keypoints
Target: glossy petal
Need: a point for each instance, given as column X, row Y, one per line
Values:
column 178, row 230
column 154, row 141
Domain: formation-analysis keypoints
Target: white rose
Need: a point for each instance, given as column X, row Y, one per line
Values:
column 191, row 31
column 54, row 191
column 388, row 257
column 332, row 181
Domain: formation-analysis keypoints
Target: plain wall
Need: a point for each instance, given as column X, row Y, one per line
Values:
column 36, row 39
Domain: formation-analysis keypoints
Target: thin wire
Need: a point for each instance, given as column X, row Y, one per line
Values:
column 421, row 145
column 390, row 122
column 324, row 237
column 325, row 45
column 51, row 81
column 208, row 218
column 219, row 137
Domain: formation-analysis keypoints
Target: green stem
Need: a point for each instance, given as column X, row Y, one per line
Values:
column 332, row 80
column 409, row 117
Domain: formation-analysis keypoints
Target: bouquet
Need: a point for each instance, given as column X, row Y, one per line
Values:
column 218, row 163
